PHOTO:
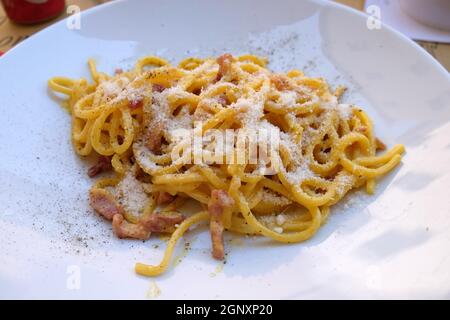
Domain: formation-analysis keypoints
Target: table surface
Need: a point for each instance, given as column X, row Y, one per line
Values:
column 11, row 34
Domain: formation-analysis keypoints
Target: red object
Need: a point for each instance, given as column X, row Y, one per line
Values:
column 33, row 11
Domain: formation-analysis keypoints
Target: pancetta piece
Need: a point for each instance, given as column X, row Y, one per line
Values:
column 220, row 200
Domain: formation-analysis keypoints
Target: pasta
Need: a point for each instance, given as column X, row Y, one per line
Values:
column 142, row 124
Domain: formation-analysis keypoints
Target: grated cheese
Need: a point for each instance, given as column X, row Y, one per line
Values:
column 278, row 229
column 280, row 219
column 270, row 196
column 131, row 194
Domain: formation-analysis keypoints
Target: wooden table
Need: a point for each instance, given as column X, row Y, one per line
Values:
column 11, row 34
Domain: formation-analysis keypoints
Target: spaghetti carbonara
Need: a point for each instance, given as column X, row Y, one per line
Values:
column 261, row 153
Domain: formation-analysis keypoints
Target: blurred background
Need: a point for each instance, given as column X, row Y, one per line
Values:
column 425, row 21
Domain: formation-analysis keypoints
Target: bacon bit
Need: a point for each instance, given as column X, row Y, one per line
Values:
column 118, row 71
column 220, row 200
column 124, row 229
column 136, row 104
column 104, row 203
column 154, row 143
column 197, row 91
column 103, row 164
column 153, row 130
column 224, row 62
column 153, row 137
column 362, row 129
column 158, row 87
column 380, row 145
column 161, row 222
column 280, row 82
column 164, row 198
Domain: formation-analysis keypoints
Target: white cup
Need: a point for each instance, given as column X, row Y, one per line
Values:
column 433, row 13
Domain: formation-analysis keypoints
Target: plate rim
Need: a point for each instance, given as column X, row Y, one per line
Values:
column 323, row 3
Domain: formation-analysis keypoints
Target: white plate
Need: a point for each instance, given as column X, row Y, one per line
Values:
column 395, row 244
